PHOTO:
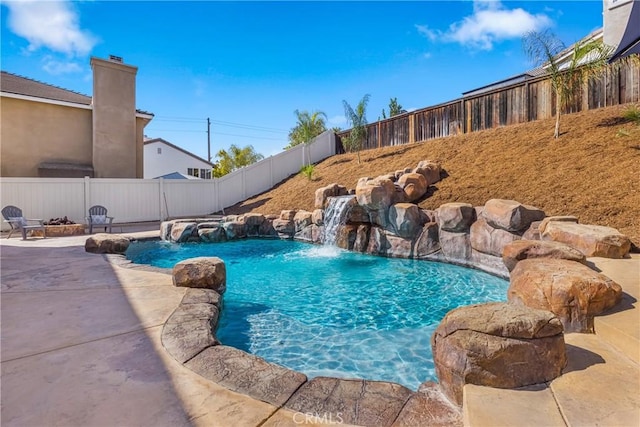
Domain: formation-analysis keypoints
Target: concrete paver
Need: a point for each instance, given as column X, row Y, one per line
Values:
column 81, row 346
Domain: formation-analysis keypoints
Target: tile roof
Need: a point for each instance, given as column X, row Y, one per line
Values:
column 19, row 85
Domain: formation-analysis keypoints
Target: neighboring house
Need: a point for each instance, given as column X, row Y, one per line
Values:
column 622, row 27
column 163, row 159
column 47, row 131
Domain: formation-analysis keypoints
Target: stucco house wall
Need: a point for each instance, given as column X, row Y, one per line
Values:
column 35, row 132
column 49, row 131
column 162, row 158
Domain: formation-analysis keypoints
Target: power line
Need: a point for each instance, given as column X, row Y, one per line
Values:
column 247, row 136
column 219, row 122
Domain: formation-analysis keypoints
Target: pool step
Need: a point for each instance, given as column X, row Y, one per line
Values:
column 599, row 386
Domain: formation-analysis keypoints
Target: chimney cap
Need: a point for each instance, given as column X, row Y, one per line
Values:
column 115, row 58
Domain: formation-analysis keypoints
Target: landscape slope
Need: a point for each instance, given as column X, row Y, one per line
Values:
column 592, row 171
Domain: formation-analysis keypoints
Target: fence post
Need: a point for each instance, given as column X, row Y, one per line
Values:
column 87, row 193
column 271, row 171
column 244, row 182
column 161, row 199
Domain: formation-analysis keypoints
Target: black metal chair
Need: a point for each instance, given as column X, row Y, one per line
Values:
column 17, row 221
column 98, row 217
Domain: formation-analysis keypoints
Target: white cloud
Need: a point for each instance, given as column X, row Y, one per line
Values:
column 53, row 66
column 490, row 23
column 50, row 24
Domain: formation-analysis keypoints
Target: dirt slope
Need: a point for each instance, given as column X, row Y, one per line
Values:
column 592, row 171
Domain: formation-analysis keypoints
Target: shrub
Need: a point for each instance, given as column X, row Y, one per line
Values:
column 307, row 171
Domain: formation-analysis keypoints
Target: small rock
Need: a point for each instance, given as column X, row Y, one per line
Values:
column 104, row 243
column 201, row 272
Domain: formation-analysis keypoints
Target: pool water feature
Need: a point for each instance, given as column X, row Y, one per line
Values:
column 324, row 311
column 334, row 217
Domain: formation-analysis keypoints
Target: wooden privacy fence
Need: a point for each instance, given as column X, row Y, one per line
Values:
column 520, row 102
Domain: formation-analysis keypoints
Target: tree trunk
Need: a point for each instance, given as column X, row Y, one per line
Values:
column 556, row 133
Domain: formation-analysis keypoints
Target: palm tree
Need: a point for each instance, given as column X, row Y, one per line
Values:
column 586, row 59
column 358, row 120
column 234, row 159
column 308, row 126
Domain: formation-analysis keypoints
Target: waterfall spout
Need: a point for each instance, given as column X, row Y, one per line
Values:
column 334, row 216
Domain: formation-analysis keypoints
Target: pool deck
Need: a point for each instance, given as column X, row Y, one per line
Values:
column 81, row 346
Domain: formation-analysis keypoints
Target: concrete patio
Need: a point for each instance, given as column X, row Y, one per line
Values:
column 81, row 346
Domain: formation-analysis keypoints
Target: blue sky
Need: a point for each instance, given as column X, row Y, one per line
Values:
column 248, row 65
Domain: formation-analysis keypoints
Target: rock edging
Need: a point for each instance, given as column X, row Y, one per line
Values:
column 189, row 337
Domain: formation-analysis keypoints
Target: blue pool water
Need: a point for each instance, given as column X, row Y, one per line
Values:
column 323, row 311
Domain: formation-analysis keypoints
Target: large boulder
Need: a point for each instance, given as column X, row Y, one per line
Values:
column 201, row 272
column 570, row 290
column 346, row 236
column 414, row 185
column 455, row 246
column 317, row 216
column 103, row 243
column 399, row 247
column 253, row 222
column 488, row 239
column 405, row 219
column 375, row 194
column 183, row 232
column 525, row 249
column 288, row 214
column 456, row 217
column 302, row 219
column 331, row 190
column 235, row 229
column 430, row 170
column 562, row 218
column 510, row 215
column 497, row 345
column 591, row 240
column 213, row 234
column 428, row 241
column 284, row 227
column 362, row 238
column 378, row 244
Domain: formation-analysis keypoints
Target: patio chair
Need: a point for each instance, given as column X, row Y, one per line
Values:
column 17, row 221
column 98, row 217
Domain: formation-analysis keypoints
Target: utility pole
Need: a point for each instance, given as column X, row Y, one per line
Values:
column 209, row 139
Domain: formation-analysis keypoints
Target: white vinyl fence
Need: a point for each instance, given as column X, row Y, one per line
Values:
column 133, row 200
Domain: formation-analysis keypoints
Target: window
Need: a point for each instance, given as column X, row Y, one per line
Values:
column 190, row 172
column 196, row 173
column 208, row 174
column 203, row 173
column 159, row 150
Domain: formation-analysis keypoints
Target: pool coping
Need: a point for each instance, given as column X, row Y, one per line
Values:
column 357, row 401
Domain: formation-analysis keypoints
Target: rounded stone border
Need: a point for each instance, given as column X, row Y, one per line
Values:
column 188, row 337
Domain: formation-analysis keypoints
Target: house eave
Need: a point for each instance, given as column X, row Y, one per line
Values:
column 45, row 100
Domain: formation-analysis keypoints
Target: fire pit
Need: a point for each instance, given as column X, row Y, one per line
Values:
column 58, row 227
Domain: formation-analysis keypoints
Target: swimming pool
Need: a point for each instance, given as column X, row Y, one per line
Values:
column 324, row 311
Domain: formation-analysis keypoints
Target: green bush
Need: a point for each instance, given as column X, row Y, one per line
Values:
column 307, row 171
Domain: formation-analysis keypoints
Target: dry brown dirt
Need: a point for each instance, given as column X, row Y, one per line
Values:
column 591, row 171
